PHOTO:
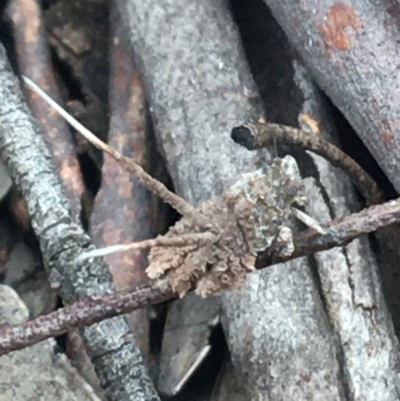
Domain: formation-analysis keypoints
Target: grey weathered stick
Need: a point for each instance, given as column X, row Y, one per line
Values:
column 110, row 344
column 351, row 50
column 199, row 87
column 195, row 101
column 348, row 276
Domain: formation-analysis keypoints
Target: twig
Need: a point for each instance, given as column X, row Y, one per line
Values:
column 86, row 312
column 34, row 60
column 153, row 185
column 111, row 345
column 254, row 136
column 99, row 307
column 341, row 231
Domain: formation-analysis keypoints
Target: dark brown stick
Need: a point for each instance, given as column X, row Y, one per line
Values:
column 342, row 231
column 88, row 311
column 34, row 61
column 255, row 136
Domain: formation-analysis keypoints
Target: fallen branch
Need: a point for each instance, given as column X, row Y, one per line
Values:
column 95, row 308
column 348, row 48
column 111, row 345
column 342, row 231
column 89, row 310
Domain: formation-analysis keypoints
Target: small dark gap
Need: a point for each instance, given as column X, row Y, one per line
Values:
column 46, row 4
column 202, row 381
column 7, row 39
column 91, row 176
column 317, row 279
column 62, row 340
column 157, row 325
column 3, row 8
column 355, row 148
column 269, row 56
column 91, row 173
column 65, row 73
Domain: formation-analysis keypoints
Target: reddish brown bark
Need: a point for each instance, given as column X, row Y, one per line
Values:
column 34, row 62
column 351, row 48
column 121, row 211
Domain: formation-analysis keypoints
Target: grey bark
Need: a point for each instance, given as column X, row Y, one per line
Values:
column 110, row 344
column 284, row 341
column 198, row 84
column 352, row 49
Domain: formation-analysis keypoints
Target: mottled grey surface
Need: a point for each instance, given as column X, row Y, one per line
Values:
column 199, row 87
column 37, row 373
column 186, row 340
column 284, row 341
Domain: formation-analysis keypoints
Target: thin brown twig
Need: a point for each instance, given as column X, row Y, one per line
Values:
column 85, row 312
column 153, row 185
column 341, row 231
column 93, row 309
column 260, row 135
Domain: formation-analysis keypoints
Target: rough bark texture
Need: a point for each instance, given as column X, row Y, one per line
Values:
column 121, row 211
column 210, row 81
column 347, row 282
column 38, row 372
column 195, row 94
column 285, row 342
column 110, row 344
column 34, row 62
column 351, row 49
